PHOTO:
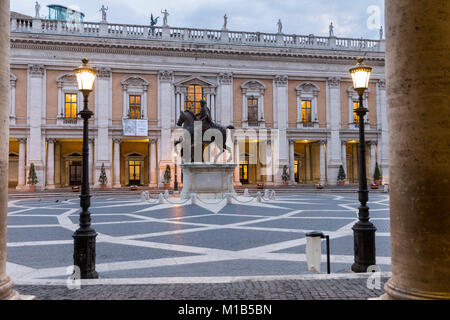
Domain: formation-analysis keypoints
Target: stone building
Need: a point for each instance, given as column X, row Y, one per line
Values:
column 295, row 86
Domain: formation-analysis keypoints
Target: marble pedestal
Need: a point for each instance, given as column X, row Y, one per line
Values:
column 207, row 180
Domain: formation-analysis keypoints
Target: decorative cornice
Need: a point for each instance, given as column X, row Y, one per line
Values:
column 307, row 87
column 136, row 47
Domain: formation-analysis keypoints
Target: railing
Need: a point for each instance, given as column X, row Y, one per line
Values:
column 126, row 31
column 70, row 120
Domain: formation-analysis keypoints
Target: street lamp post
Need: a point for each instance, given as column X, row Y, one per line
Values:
column 85, row 235
column 363, row 230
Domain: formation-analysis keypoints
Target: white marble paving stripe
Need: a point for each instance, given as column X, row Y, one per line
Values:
column 18, row 271
column 38, row 243
column 9, row 226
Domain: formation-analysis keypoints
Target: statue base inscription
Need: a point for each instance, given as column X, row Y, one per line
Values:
column 207, row 180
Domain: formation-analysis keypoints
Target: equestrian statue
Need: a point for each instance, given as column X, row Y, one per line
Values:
column 187, row 120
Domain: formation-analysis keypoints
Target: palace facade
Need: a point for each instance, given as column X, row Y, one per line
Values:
column 297, row 86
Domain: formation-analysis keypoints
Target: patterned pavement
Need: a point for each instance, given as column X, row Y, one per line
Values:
column 189, row 243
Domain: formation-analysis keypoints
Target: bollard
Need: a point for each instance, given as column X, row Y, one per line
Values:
column 258, row 197
column 143, row 197
column 229, row 199
column 193, row 198
column 166, row 193
column 161, row 199
column 246, row 192
column 266, row 193
column 314, row 250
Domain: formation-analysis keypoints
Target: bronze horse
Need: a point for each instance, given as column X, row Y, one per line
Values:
column 187, row 119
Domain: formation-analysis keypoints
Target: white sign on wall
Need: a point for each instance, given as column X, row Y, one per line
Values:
column 135, row 127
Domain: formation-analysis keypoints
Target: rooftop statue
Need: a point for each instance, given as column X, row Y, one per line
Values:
column 37, row 8
column 225, row 21
column 166, row 14
column 103, row 10
column 187, row 120
column 331, row 28
column 153, row 21
column 280, row 26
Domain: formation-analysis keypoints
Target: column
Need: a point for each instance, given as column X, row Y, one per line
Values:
column 308, row 163
column 417, row 64
column 167, row 120
column 372, row 160
column 51, row 163
column 237, row 181
column 382, row 146
column 6, row 284
column 355, row 161
column 322, row 161
column 91, row 160
column 35, row 107
column 291, row 161
column 116, row 163
column 281, row 122
column 344, row 158
column 269, row 176
column 152, row 164
column 103, row 111
column 22, row 164
column 57, row 164
column 334, row 124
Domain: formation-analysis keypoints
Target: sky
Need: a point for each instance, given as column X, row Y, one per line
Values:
column 351, row 18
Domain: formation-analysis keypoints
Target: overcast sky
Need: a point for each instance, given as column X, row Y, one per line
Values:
column 351, row 18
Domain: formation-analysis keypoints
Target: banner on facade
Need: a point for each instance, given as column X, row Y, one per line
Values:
column 135, row 127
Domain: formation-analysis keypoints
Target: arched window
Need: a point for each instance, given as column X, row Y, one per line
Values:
column 193, row 97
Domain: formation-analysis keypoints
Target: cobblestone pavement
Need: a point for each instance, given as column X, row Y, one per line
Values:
column 330, row 289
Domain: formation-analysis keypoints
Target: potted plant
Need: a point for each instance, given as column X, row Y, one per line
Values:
column 285, row 176
column 260, row 186
column 103, row 179
column 341, row 176
column 377, row 175
column 319, row 186
column 167, row 177
column 76, row 188
column 32, row 178
column 373, row 186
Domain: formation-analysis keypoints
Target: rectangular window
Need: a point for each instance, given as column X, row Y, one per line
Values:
column 252, row 108
column 70, row 107
column 355, row 116
column 306, row 112
column 135, row 107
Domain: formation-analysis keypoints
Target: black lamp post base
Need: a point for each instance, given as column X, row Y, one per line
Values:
column 364, row 244
column 84, row 253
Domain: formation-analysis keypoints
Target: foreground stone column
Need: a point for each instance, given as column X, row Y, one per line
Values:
column 6, row 284
column 417, row 66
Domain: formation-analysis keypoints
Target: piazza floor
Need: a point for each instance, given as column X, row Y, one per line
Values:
column 209, row 241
